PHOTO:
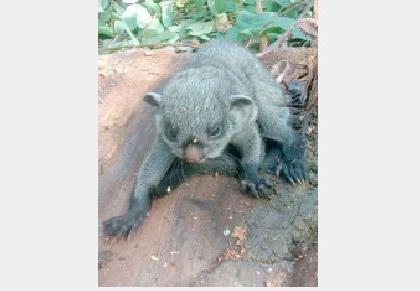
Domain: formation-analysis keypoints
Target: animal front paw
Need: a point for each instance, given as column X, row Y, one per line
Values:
column 259, row 188
column 124, row 225
column 293, row 164
column 295, row 171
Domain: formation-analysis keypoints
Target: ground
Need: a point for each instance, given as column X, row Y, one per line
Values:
column 206, row 232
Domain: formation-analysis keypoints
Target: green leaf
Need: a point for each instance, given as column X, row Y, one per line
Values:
column 272, row 37
column 180, row 3
column 174, row 29
column 250, row 8
column 203, row 37
column 212, row 7
column 120, row 27
column 102, row 5
column 246, row 32
column 282, row 22
column 297, row 33
column 200, row 28
column 167, row 12
column 230, row 6
column 106, row 31
column 220, row 5
column 152, row 7
column 136, row 16
column 198, row 10
column 183, row 31
column 233, row 34
column 220, row 35
column 117, row 8
column 131, row 22
column 255, row 22
column 125, row 43
column 244, row 18
column 283, row 3
column 236, row 34
column 268, row 5
column 129, row 17
column 293, row 13
column 166, row 36
column 143, row 16
column 103, row 18
column 152, row 29
column 271, row 29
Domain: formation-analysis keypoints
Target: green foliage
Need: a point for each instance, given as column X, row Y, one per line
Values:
column 153, row 8
column 167, row 12
column 154, row 22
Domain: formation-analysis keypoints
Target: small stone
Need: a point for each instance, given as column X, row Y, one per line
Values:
column 182, row 49
column 154, row 258
column 226, row 232
column 269, row 270
column 148, row 53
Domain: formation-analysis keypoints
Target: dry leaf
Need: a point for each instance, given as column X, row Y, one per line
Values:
column 227, row 254
column 308, row 26
column 239, row 233
column 309, row 130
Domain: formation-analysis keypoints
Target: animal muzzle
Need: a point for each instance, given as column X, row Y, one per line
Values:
column 194, row 154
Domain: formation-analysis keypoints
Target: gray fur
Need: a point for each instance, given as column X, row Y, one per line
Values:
column 222, row 84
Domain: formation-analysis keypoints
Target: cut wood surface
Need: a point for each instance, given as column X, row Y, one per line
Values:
column 206, row 232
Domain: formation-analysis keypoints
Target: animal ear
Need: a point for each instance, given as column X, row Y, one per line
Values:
column 153, row 98
column 240, row 101
column 242, row 110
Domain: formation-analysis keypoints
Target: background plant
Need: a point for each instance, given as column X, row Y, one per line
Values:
column 162, row 22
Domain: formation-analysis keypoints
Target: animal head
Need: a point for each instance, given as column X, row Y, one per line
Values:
column 197, row 114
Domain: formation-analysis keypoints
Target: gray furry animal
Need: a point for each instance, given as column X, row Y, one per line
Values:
column 212, row 115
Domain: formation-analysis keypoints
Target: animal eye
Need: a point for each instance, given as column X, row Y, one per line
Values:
column 171, row 132
column 215, row 131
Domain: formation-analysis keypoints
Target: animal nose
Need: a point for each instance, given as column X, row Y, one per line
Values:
column 193, row 154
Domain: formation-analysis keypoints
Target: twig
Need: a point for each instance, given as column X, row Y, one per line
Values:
column 282, row 38
column 263, row 38
column 315, row 9
column 292, row 6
